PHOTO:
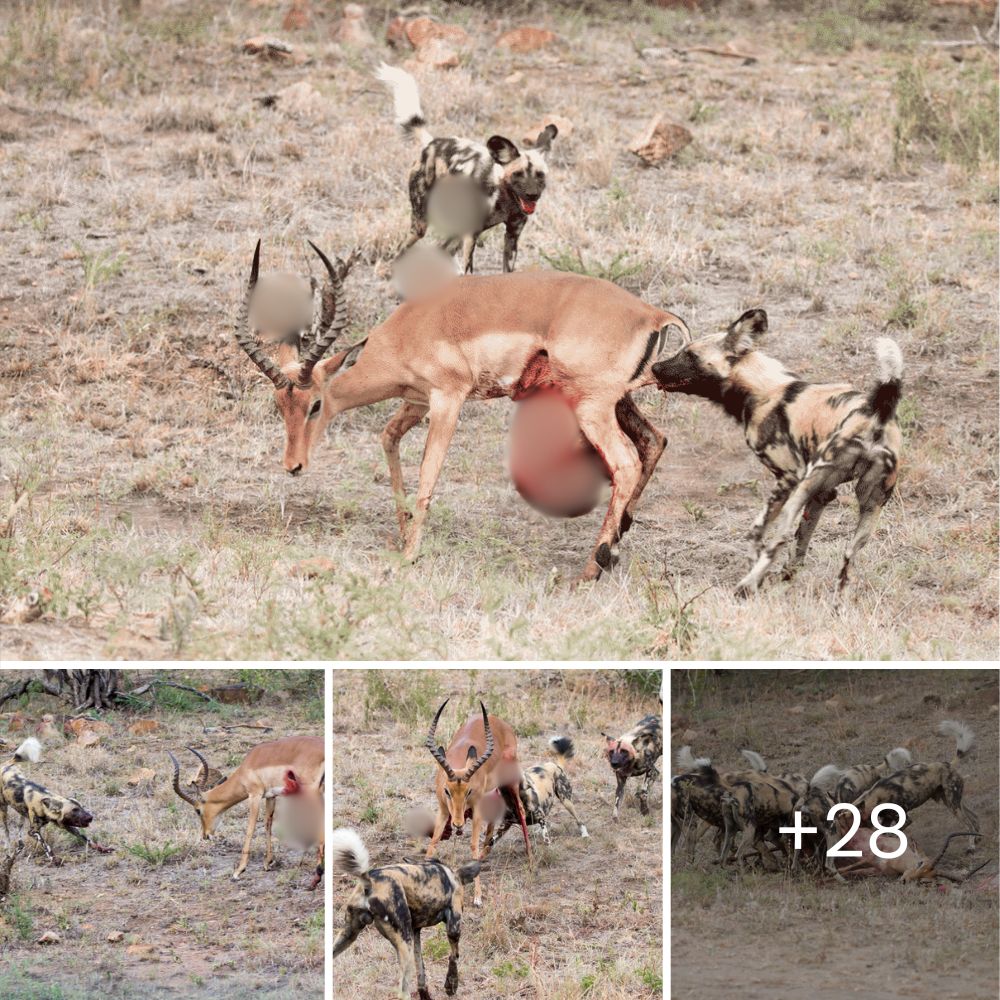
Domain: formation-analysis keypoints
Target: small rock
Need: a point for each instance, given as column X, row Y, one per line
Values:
column 143, row 726
column 80, row 726
column 835, row 704
column 301, row 98
column 115, row 936
column 187, row 481
column 661, row 140
column 932, row 699
column 516, row 77
column 17, row 723
column 423, row 30
column 49, row 937
column 564, row 125
column 312, row 568
column 47, row 729
column 689, row 736
column 352, row 30
column 88, row 738
column 438, row 54
column 527, row 39
column 138, row 777
column 27, row 608
column 143, row 952
column 299, row 16
column 270, row 48
column 796, row 710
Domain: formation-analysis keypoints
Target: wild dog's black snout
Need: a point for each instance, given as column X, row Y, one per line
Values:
column 679, row 373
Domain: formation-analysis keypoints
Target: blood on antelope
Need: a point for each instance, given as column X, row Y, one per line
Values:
column 263, row 769
column 481, row 757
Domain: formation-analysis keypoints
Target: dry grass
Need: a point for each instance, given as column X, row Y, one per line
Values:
column 188, row 927
column 586, row 922
column 138, row 170
column 923, row 940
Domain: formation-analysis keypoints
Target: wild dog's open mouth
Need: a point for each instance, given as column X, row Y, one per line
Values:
column 526, row 206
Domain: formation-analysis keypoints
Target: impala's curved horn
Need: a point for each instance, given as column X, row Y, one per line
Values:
column 948, row 840
column 245, row 336
column 332, row 318
column 436, row 752
column 478, row 763
column 177, row 782
column 202, row 779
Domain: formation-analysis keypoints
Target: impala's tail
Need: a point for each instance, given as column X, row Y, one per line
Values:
column 406, row 98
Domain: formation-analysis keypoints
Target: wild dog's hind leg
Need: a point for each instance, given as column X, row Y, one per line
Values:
column 565, row 797
column 418, row 958
column 647, row 782
column 453, row 924
column 872, row 496
column 771, row 509
column 405, row 419
column 810, row 519
column 600, row 426
column 649, row 442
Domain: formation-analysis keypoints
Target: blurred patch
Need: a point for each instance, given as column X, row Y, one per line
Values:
column 456, row 206
column 418, row 823
column 281, row 306
column 552, row 465
column 422, row 271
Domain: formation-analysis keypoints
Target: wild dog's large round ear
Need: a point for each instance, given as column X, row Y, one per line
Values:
column 742, row 334
column 545, row 137
column 502, row 150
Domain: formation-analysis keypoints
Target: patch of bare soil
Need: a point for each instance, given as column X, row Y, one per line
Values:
column 776, row 936
column 586, row 919
column 160, row 916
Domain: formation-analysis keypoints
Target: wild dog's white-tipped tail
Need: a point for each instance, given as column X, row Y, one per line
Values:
column 406, row 101
column 30, row 749
column 890, row 359
column 826, row 777
column 686, row 761
column 562, row 747
column 962, row 734
column 756, row 761
column 350, row 856
column 898, row 758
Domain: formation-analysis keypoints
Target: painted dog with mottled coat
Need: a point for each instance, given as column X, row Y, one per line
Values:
column 509, row 180
column 541, row 787
column 812, row 437
column 634, row 755
column 401, row 901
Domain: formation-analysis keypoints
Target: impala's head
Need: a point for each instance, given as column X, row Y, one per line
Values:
column 304, row 322
column 206, row 779
column 707, row 366
column 453, row 786
column 524, row 171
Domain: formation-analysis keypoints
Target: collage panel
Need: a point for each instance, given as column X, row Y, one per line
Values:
column 565, row 901
column 838, row 909
column 162, row 834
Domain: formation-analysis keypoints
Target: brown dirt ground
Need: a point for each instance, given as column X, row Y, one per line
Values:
column 138, row 167
column 588, row 917
column 189, row 929
column 771, row 937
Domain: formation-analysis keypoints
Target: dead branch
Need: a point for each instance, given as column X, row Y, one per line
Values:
column 234, row 391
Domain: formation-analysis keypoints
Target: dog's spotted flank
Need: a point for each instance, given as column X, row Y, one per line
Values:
column 813, row 437
column 508, row 181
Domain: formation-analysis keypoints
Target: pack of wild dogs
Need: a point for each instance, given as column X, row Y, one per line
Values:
column 582, row 340
column 479, row 779
column 747, row 807
column 289, row 771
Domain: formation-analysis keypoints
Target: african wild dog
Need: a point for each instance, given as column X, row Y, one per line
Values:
column 401, row 900
column 813, row 437
column 506, row 180
column 914, row 785
column 847, row 785
column 758, row 805
column 37, row 804
column 634, row 754
column 815, row 805
column 541, row 787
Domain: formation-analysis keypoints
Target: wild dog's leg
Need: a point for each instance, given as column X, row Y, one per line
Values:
column 268, row 821
column 406, row 418
column 453, row 924
column 647, row 782
column 567, row 801
column 347, row 937
column 821, row 479
column 254, row 801
column 444, row 411
column 649, row 442
column 766, row 517
column 546, row 839
column 600, row 426
column 513, row 234
column 418, row 958
column 404, row 951
column 35, row 830
column 421, row 179
column 619, row 794
column 810, row 519
column 951, row 796
column 871, row 497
